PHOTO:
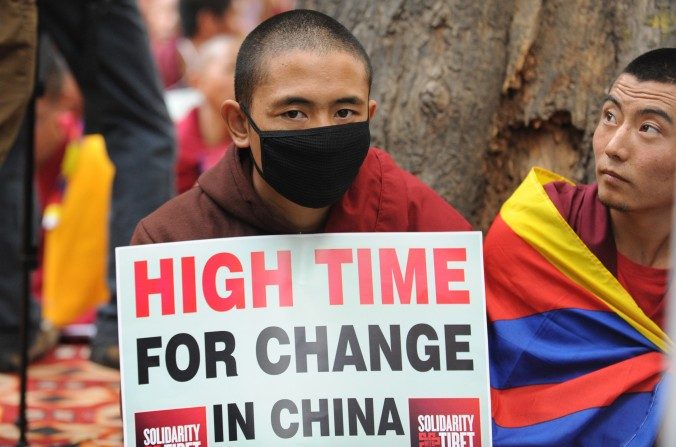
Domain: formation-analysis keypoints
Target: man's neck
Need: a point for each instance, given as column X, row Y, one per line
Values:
column 643, row 238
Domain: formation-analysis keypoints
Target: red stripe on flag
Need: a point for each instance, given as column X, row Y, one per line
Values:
column 597, row 389
column 531, row 284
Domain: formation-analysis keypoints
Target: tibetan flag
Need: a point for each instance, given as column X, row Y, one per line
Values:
column 574, row 360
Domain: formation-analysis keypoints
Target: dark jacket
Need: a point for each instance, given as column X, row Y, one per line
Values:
column 383, row 197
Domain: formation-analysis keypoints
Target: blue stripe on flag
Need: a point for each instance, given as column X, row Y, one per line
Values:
column 559, row 345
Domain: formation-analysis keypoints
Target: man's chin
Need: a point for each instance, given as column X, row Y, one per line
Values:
column 615, row 205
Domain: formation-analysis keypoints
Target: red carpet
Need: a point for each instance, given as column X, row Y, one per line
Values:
column 71, row 402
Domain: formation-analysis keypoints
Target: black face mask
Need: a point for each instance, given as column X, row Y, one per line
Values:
column 312, row 167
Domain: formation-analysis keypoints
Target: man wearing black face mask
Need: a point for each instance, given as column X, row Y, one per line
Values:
column 300, row 160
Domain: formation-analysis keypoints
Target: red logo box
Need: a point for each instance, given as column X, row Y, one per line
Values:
column 444, row 422
column 186, row 427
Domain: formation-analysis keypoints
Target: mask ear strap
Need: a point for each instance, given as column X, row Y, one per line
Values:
column 253, row 160
column 251, row 121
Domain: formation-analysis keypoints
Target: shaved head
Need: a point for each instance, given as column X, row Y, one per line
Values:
column 657, row 65
column 296, row 30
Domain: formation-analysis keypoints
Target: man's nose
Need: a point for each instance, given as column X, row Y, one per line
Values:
column 619, row 144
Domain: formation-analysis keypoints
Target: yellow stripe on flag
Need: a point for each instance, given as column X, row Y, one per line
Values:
column 76, row 248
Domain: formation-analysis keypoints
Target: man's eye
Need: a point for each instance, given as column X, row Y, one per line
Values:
column 649, row 128
column 609, row 117
column 344, row 113
column 294, row 114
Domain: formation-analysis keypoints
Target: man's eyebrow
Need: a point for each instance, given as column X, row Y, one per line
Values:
column 354, row 100
column 291, row 100
column 299, row 100
column 655, row 111
column 614, row 100
column 642, row 112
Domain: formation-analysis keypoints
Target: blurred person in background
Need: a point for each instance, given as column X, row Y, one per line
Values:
column 202, row 134
column 174, row 46
column 74, row 178
column 106, row 45
column 18, row 40
column 203, row 19
column 200, row 21
column 58, row 118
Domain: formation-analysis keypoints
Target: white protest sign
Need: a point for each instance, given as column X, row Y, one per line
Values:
column 368, row 339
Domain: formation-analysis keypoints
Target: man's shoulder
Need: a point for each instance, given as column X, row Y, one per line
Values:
column 174, row 221
column 581, row 210
column 571, row 199
column 576, row 203
column 584, row 212
column 405, row 203
column 192, row 215
column 381, row 166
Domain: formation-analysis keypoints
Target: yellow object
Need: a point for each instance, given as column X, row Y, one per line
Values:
column 76, row 239
column 569, row 254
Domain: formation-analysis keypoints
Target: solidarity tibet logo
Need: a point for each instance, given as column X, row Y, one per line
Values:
column 181, row 427
column 444, row 422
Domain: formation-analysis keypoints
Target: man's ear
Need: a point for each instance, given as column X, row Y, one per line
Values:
column 236, row 122
column 372, row 108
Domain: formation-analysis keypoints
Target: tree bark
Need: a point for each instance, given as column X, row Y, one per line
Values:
column 471, row 95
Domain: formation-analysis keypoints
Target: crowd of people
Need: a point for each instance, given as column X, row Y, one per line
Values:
column 191, row 45
column 272, row 133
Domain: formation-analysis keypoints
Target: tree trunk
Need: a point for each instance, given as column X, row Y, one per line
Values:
column 471, row 95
